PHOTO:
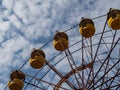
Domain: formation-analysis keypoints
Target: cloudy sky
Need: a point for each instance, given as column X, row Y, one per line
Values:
column 28, row 24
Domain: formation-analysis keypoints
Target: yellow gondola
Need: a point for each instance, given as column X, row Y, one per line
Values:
column 86, row 28
column 37, row 59
column 17, row 80
column 114, row 19
column 16, row 84
column 60, row 41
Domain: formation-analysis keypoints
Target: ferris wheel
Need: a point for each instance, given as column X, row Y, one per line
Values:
column 90, row 61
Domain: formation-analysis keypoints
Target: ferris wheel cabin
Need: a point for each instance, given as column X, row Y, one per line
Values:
column 17, row 80
column 86, row 28
column 114, row 19
column 60, row 41
column 37, row 59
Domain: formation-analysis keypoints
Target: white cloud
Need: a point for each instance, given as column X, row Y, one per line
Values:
column 2, row 85
column 14, row 20
column 4, row 27
column 7, row 4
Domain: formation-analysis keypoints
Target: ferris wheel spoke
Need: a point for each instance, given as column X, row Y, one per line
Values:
column 39, row 83
column 118, row 87
column 100, row 41
column 34, row 85
column 113, row 39
column 71, row 63
column 106, row 73
column 59, row 74
column 107, row 56
column 111, row 78
column 91, row 72
column 99, row 16
column 44, row 81
column 33, row 78
column 105, row 61
column 90, row 59
column 82, row 63
column 88, row 52
column 80, row 68
column 113, row 86
column 94, row 58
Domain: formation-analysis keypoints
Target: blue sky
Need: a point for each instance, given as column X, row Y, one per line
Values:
column 28, row 24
